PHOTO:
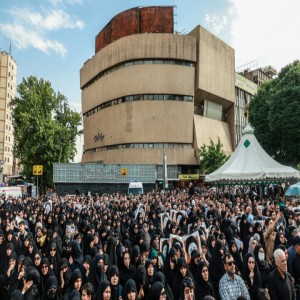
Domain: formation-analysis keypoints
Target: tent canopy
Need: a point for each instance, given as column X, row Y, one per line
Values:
column 250, row 162
column 293, row 190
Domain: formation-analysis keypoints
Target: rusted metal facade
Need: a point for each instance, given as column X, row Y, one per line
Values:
column 154, row 19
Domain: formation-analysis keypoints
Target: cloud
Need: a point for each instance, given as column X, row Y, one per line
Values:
column 53, row 20
column 215, row 24
column 29, row 28
column 71, row 2
column 267, row 31
column 24, row 38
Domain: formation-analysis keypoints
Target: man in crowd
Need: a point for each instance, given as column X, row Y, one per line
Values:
column 232, row 285
column 281, row 283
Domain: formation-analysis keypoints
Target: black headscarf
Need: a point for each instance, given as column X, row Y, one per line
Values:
column 102, row 287
column 155, row 291
column 216, row 266
column 114, row 289
column 263, row 266
column 160, row 277
column 236, row 256
column 253, row 289
column 203, row 288
column 130, row 286
column 51, row 288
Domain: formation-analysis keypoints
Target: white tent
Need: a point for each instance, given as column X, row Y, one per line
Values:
column 250, row 162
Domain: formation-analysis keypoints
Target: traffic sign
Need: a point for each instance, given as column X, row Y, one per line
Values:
column 37, row 170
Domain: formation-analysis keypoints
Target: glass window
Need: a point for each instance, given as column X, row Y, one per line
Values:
column 212, row 110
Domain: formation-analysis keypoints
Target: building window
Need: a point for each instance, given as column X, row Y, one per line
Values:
column 212, row 110
column 139, row 97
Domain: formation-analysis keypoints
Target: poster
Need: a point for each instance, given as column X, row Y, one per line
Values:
column 191, row 242
column 141, row 210
column 175, row 239
column 164, row 246
column 178, row 215
column 164, row 218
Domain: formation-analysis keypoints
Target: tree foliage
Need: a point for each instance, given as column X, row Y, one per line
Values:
column 274, row 113
column 45, row 128
column 212, row 157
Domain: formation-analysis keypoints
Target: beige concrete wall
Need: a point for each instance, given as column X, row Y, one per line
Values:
column 140, row 79
column 206, row 129
column 141, row 122
column 215, row 65
column 149, row 45
column 142, row 156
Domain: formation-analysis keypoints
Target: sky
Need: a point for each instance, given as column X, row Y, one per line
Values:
column 51, row 39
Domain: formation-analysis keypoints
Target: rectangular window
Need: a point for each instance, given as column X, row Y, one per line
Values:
column 212, row 110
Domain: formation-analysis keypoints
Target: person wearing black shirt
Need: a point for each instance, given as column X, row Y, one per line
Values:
column 281, row 283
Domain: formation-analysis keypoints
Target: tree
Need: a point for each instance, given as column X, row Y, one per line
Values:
column 212, row 157
column 274, row 113
column 45, row 128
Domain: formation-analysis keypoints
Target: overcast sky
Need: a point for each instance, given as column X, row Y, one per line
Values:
column 52, row 39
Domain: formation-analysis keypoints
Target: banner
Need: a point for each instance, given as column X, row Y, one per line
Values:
column 189, row 176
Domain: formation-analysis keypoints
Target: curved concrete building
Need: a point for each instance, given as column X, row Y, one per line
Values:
column 147, row 91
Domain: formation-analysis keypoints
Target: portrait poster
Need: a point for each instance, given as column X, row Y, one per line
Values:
column 175, row 239
column 172, row 212
column 191, row 242
column 164, row 218
column 178, row 215
column 164, row 246
column 141, row 210
column 239, row 243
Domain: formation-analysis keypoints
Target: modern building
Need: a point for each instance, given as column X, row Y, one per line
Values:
column 149, row 91
column 247, row 81
column 244, row 91
column 8, row 86
column 255, row 74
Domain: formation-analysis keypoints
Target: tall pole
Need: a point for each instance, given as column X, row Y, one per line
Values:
column 165, row 171
column 37, row 186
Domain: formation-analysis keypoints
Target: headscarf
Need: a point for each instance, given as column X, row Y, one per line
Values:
column 155, row 291
column 130, row 286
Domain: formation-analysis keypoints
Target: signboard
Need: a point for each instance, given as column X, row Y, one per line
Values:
column 188, row 176
column 245, row 84
column 103, row 173
column 37, row 170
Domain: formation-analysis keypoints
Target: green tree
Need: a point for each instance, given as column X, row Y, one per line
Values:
column 274, row 113
column 212, row 157
column 45, row 128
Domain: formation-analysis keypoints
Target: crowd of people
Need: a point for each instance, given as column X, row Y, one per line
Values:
column 103, row 247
